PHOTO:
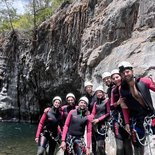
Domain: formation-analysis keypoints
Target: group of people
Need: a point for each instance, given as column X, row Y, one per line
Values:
column 126, row 107
column 68, row 122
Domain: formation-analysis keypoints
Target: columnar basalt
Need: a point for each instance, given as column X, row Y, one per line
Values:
column 79, row 42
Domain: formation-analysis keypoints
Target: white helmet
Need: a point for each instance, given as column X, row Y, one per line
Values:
column 115, row 71
column 123, row 65
column 99, row 88
column 57, row 98
column 84, row 98
column 70, row 95
column 87, row 83
column 106, row 74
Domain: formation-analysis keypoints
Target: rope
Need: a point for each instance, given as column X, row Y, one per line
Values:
column 105, row 128
column 70, row 143
column 109, row 125
column 148, row 132
column 148, row 122
column 70, row 147
column 120, row 122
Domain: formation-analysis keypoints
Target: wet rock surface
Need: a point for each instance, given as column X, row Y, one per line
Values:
column 79, row 42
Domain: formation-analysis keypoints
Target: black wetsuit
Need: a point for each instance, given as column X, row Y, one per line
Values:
column 101, row 111
column 123, row 140
column 137, row 111
column 92, row 99
column 74, row 128
column 47, row 131
column 65, row 111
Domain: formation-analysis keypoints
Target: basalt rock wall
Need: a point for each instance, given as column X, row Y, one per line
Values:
column 79, row 42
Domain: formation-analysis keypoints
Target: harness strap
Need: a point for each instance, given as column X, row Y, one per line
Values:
column 70, row 141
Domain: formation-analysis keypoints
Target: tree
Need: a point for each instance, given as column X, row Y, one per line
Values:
column 7, row 14
column 36, row 11
column 40, row 10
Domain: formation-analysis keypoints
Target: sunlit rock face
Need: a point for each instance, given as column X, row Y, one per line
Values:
column 119, row 30
column 79, row 42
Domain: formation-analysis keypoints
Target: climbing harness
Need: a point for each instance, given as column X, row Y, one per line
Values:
column 118, row 120
column 49, row 134
column 147, row 132
column 70, row 141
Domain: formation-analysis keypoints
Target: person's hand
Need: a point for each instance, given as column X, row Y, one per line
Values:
column 131, row 83
column 63, row 145
column 121, row 100
column 46, row 110
column 153, row 82
column 37, row 139
column 87, row 151
column 122, row 103
column 127, row 128
column 95, row 121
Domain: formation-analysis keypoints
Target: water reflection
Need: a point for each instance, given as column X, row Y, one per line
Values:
column 17, row 139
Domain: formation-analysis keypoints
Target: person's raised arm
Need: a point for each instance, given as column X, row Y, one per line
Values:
column 149, row 82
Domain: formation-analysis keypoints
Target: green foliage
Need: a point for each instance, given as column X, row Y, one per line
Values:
column 45, row 11
column 36, row 12
column 5, row 26
column 7, row 15
column 24, row 22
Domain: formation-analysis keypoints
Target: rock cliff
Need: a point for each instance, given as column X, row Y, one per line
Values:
column 79, row 42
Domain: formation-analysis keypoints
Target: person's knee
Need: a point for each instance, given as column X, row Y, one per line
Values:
column 40, row 150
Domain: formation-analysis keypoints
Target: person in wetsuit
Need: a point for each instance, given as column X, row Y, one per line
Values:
column 89, row 93
column 120, row 118
column 136, row 95
column 47, row 131
column 106, row 77
column 74, row 128
column 70, row 99
column 100, row 112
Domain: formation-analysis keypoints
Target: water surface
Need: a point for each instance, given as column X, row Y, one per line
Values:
column 17, row 139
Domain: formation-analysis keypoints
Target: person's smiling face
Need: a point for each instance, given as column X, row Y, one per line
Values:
column 56, row 103
column 116, row 78
column 100, row 94
column 82, row 105
column 107, row 81
column 127, row 75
